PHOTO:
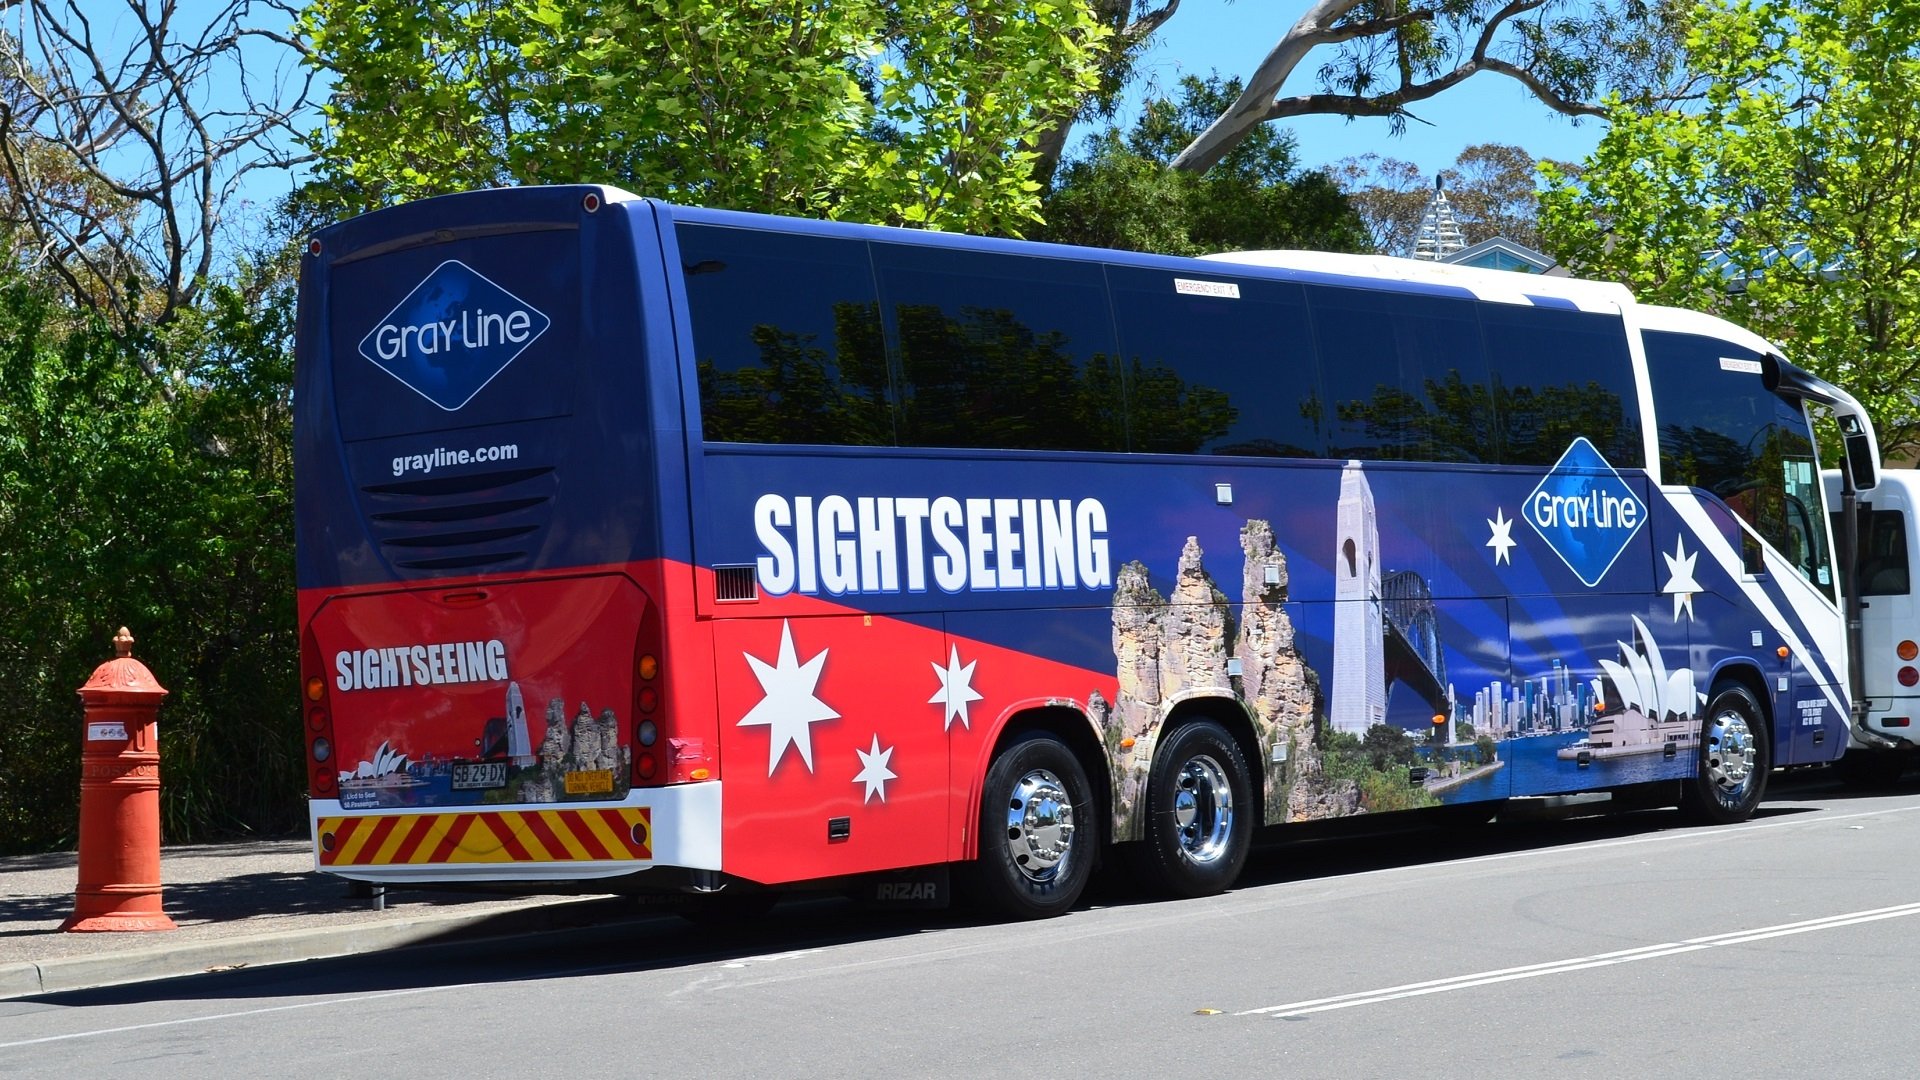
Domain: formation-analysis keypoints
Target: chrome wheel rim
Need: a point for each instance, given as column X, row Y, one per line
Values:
column 1730, row 754
column 1203, row 810
column 1040, row 825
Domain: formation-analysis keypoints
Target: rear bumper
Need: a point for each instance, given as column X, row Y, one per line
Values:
column 676, row 826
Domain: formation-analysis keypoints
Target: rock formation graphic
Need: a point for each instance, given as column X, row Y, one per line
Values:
column 1168, row 649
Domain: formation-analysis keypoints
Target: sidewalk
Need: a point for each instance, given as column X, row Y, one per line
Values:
column 245, row 905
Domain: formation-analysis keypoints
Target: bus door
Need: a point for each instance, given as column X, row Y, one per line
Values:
column 1802, row 695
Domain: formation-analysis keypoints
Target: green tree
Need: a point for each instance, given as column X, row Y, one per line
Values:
column 1800, row 167
column 898, row 111
column 163, row 508
column 1486, row 749
column 1121, row 193
column 1492, row 187
column 1387, row 746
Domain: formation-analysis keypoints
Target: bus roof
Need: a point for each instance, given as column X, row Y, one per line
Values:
column 1499, row 286
column 1682, row 321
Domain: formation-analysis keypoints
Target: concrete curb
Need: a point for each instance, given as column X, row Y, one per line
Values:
column 30, row 978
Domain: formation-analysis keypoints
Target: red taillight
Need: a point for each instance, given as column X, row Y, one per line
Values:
column 1908, row 676
column 649, row 721
column 1897, row 721
column 320, row 749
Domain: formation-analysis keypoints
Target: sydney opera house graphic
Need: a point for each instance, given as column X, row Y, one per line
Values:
column 1644, row 708
column 388, row 769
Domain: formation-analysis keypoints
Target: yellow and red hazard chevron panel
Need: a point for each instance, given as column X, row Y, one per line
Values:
column 506, row 836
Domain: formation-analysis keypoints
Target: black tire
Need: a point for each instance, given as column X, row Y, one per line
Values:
column 1735, row 757
column 1038, row 831
column 1872, row 770
column 1199, row 812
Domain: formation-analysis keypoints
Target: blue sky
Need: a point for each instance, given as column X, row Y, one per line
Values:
column 1234, row 37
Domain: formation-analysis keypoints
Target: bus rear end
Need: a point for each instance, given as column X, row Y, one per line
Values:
column 489, row 531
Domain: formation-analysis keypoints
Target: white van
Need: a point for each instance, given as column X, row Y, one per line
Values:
column 1889, row 640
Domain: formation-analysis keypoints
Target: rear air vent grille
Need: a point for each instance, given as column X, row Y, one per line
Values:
column 474, row 521
column 734, row 584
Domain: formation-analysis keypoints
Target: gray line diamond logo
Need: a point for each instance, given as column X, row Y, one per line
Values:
column 1585, row 512
column 453, row 334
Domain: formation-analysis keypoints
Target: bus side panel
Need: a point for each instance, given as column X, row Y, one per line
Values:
column 1772, row 625
column 1603, row 695
column 830, row 768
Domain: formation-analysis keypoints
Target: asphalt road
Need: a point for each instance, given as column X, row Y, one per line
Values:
column 1627, row 946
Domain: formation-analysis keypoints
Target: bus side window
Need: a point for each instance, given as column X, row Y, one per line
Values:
column 786, row 337
column 1724, row 432
column 1217, row 365
column 1558, row 374
column 997, row 351
column 1405, row 374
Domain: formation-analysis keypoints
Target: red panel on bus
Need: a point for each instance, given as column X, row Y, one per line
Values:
column 496, row 693
column 853, row 742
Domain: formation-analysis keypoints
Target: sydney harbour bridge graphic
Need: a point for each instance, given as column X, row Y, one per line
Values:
column 1384, row 630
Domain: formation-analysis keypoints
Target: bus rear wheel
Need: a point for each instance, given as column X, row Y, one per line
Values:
column 1037, row 830
column 1199, row 812
column 1734, row 760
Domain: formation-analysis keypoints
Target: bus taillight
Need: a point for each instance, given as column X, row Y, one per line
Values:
column 1907, row 650
column 648, row 765
column 1908, row 676
column 319, row 721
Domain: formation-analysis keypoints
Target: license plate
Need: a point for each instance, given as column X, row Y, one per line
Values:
column 479, row 775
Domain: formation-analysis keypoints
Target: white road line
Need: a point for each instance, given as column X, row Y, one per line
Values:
column 1580, row 963
column 1175, row 913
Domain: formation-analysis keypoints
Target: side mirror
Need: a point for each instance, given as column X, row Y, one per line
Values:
column 1860, row 458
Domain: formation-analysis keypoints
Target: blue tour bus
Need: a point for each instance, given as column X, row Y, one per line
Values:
column 689, row 550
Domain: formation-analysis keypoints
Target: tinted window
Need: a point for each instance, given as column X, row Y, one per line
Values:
column 1217, row 365
column 1559, row 374
column 1405, row 375
column 786, row 336
column 1006, row 351
column 1881, row 567
column 1722, row 431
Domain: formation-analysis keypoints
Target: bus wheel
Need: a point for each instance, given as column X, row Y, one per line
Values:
column 1199, row 812
column 1037, row 830
column 1733, row 760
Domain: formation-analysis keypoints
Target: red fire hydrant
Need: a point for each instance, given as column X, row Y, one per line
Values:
column 119, row 887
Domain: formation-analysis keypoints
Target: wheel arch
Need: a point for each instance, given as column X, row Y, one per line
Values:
column 1746, row 674
column 1229, row 712
column 1065, row 720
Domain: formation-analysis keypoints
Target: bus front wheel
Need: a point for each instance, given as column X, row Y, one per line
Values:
column 1734, row 760
column 1199, row 812
column 1037, row 830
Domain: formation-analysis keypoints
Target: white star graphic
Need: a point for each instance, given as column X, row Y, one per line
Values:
column 956, row 689
column 1681, row 583
column 789, row 706
column 1503, row 542
column 874, row 772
